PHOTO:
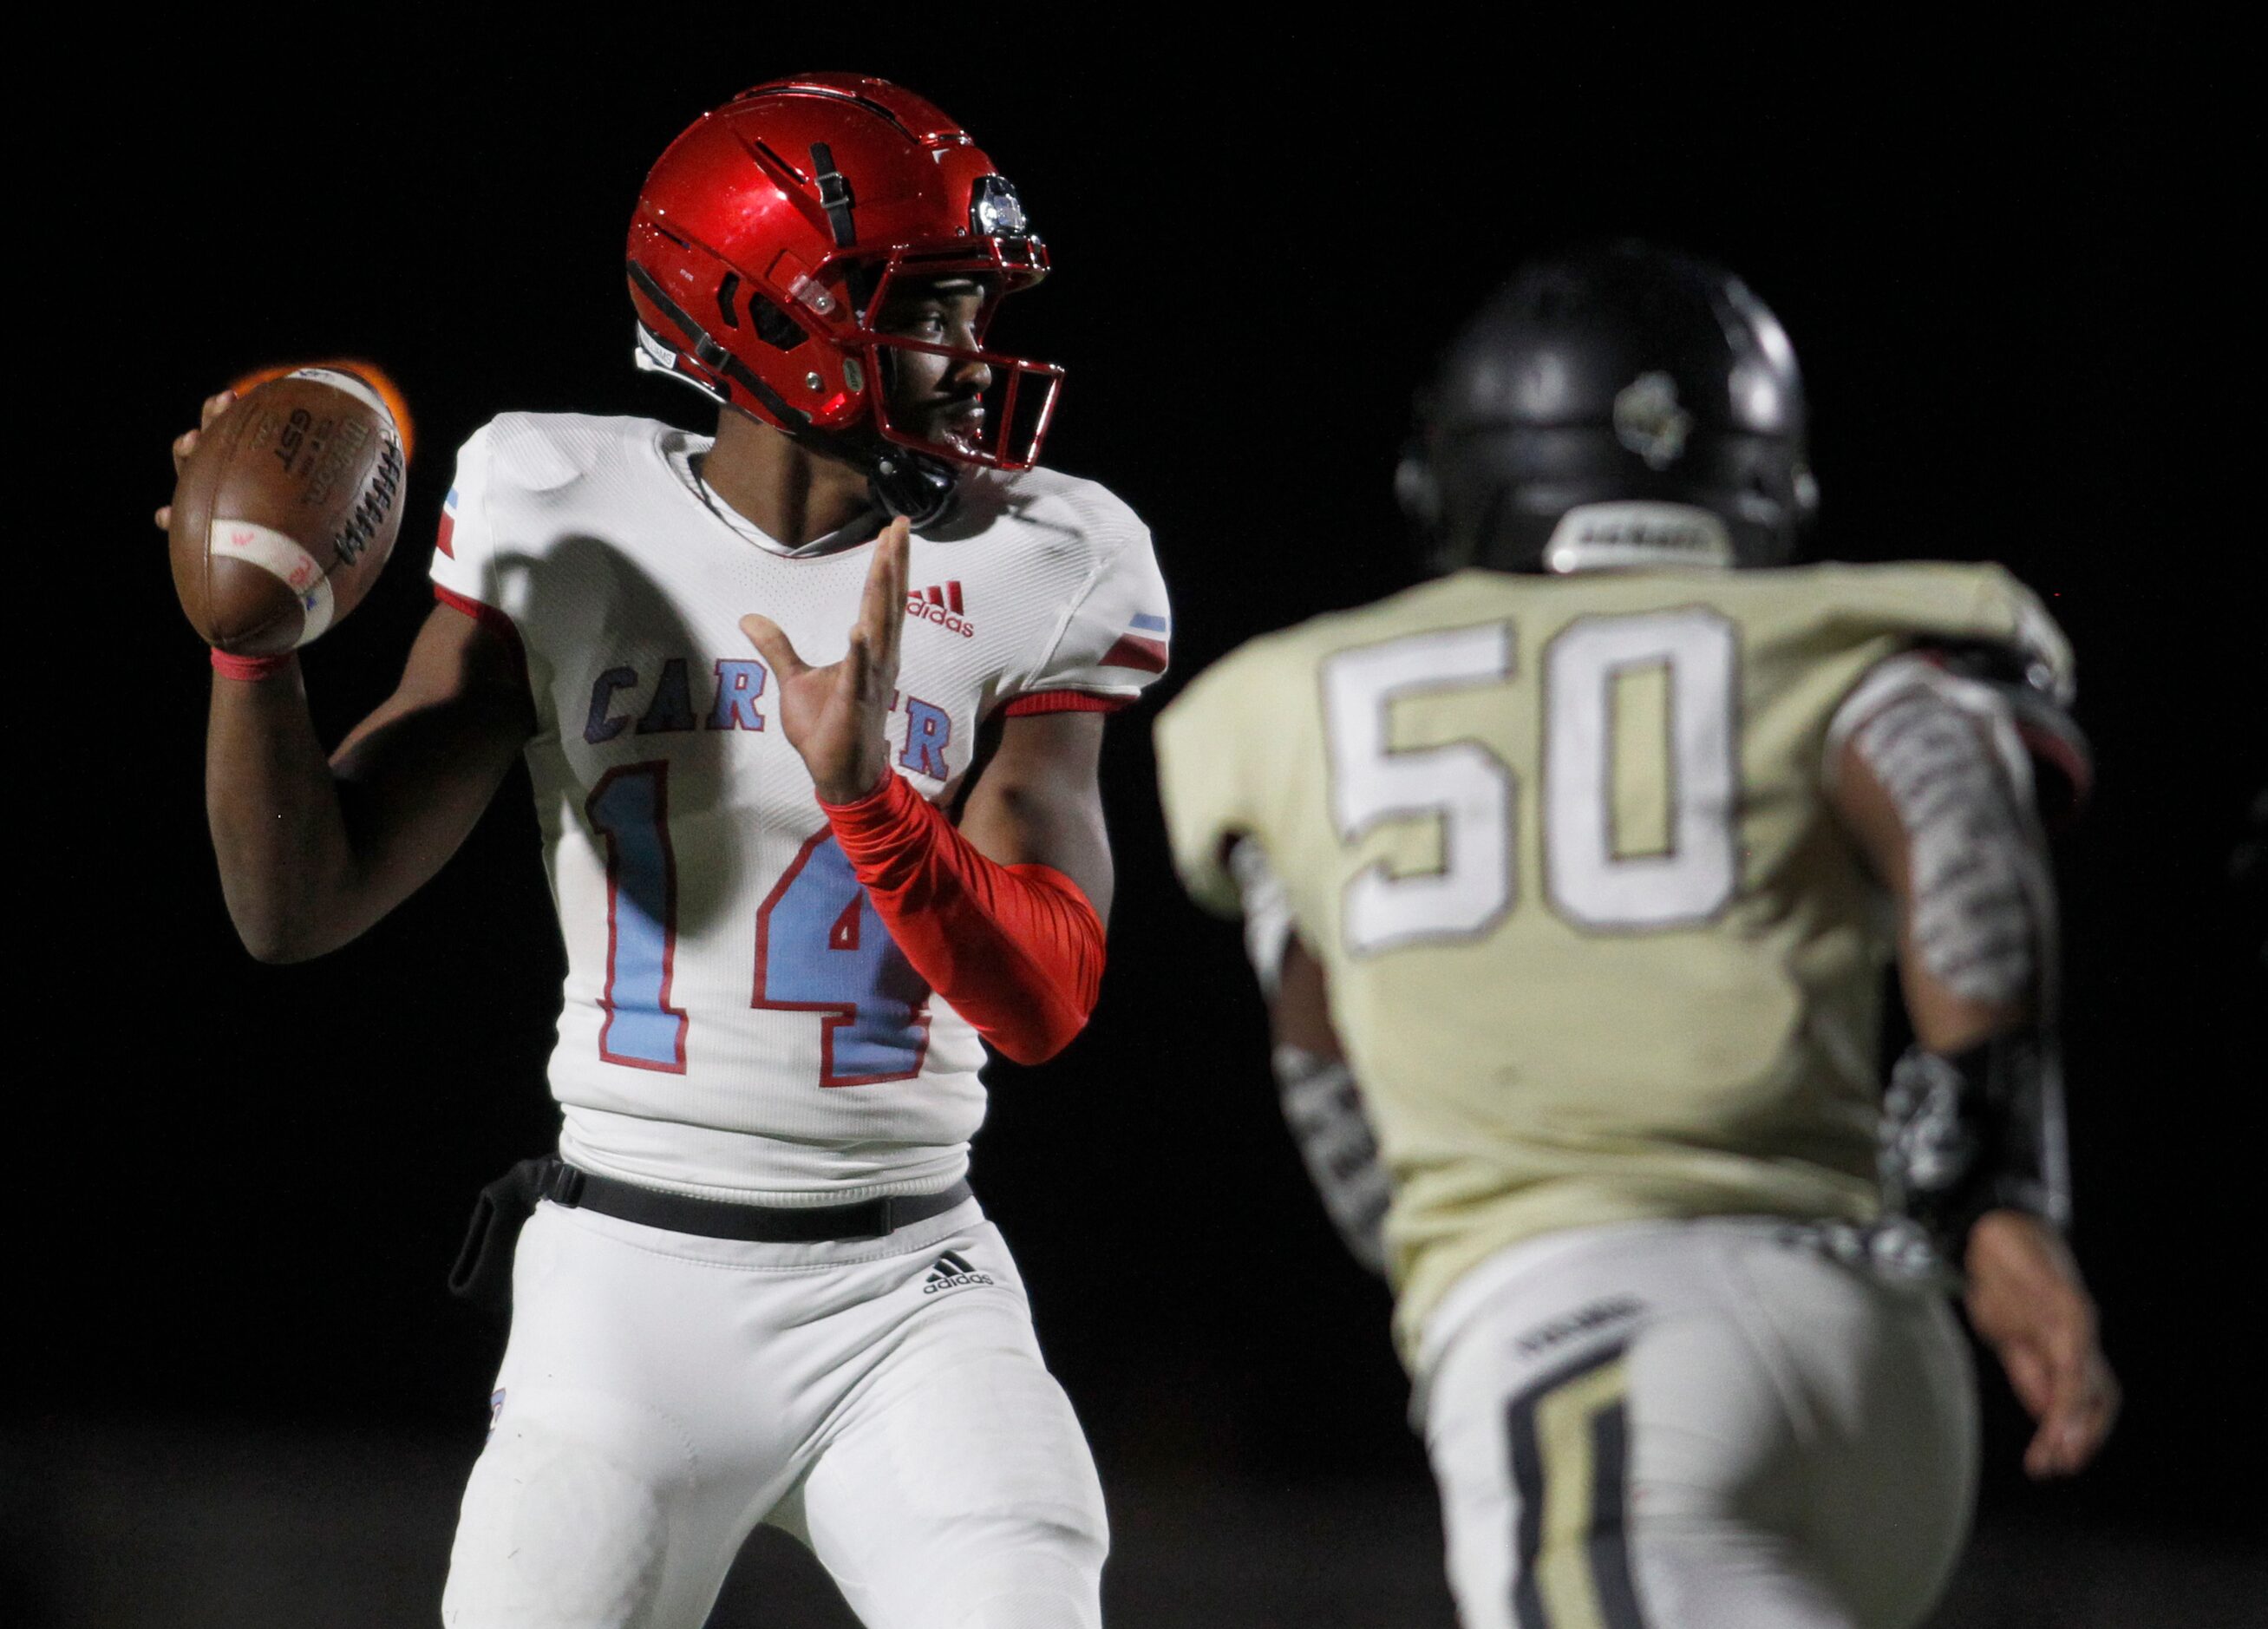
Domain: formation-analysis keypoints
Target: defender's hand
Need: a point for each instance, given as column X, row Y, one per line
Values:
column 186, row 443
column 835, row 715
column 2027, row 1302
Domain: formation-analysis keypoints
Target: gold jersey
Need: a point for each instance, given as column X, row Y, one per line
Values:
column 1598, row 950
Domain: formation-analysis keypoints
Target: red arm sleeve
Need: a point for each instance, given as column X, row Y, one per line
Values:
column 1017, row 949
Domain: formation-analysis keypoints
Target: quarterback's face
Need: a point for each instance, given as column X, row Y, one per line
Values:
column 934, row 398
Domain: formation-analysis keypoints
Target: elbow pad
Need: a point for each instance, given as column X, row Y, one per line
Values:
column 1979, row 1132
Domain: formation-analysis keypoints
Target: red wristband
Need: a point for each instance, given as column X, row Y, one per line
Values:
column 249, row 666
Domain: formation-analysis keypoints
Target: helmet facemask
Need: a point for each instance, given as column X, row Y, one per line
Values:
column 1017, row 400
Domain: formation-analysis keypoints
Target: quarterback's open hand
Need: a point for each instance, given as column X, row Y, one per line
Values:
column 186, row 443
column 2026, row 1300
column 835, row 715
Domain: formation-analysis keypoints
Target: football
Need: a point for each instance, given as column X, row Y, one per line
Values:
column 286, row 510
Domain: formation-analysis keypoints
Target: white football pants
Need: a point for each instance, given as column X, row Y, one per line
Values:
column 884, row 1400
column 1703, row 1424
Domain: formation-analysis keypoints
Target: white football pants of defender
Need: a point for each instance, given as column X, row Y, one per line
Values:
column 884, row 1400
column 1698, row 1425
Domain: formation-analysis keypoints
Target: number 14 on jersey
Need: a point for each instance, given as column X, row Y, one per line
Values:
column 820, row 948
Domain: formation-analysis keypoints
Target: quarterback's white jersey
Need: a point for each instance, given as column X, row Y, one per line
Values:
column 737, row 1021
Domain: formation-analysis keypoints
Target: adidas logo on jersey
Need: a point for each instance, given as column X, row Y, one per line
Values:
column 941, row 605
column 953, row 1271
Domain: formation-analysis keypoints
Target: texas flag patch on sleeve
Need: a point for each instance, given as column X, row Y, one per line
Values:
column 441, row 538
column 1142, row 647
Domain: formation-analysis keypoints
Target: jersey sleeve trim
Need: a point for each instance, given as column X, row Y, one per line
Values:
column 1062, row 701
column 488, row 616
column 1114, row 634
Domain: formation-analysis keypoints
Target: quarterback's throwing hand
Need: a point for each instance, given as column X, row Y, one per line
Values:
column 186, row 443
column 835, row 715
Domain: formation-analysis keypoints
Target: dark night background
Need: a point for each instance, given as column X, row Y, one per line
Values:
column 2004, row 264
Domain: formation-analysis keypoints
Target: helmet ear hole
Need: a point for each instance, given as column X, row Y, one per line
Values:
column 1770, row 497
column 1415, row 488
column 773, row 325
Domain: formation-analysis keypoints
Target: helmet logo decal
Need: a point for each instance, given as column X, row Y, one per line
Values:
column 995, row 210
column 1648, row 420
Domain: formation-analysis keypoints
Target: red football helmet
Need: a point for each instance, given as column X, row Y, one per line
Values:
column 765, row 242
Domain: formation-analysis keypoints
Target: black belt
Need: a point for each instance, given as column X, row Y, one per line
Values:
column 750, row 1224
column 482, row 1272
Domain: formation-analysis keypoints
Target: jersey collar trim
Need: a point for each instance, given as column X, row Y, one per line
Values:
column 680, row 451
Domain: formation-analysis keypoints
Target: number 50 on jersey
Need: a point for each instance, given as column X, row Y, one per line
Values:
column 1640, row 781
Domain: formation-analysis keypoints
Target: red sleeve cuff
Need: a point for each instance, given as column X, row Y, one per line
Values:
column 1062, row 701
column 497, row 622
column 890, row 803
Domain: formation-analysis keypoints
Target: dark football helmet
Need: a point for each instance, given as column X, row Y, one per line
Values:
column 1617, row 407
column 765, row 242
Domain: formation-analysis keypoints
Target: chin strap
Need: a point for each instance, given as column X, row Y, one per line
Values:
column 917, row 485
